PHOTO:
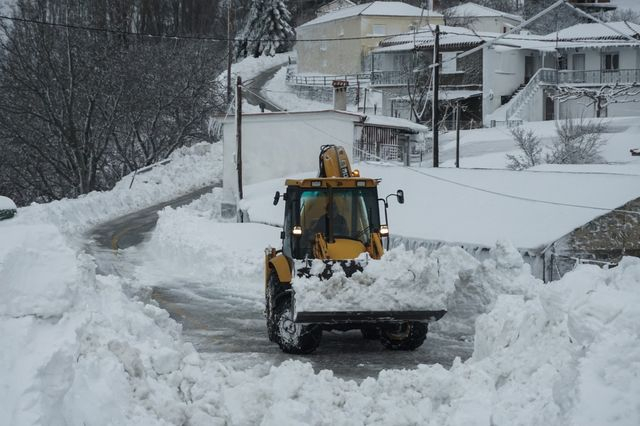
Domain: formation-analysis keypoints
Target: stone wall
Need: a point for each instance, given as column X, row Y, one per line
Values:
column 323, row 93
column 605, row 239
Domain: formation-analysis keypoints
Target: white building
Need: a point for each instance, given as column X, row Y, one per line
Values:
column 521, row 76
column 288, row 143
column 481, row 18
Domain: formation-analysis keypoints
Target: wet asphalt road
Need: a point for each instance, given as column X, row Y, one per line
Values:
column 228, row 325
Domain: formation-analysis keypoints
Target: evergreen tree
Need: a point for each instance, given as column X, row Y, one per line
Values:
column 267, row 29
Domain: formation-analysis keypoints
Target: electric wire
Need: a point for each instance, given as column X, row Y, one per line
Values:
column 461, row 184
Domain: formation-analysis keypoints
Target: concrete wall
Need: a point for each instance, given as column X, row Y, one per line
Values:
column 502, row 74
column 346, row 56
column 604, row 239
column 292, row 146
column 332, row 56
column 492, row 24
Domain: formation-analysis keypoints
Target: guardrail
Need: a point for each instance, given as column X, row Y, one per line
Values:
column 326, row 80
column 596, row 77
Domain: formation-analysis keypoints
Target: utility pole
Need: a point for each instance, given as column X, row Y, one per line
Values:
column 239, row 134
column 435, row 101
column 457, row 134
column 229, row 45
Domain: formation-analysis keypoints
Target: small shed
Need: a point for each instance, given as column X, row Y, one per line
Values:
column 286, row 143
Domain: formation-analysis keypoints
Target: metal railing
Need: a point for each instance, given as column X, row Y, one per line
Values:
column 597, row 77
column 327, row 80
column 518, row 101
column 555, row 77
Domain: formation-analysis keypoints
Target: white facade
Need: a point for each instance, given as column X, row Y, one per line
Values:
column 481, row 18
column 292, row 145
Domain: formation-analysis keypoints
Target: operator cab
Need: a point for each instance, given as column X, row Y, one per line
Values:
column 345, row 215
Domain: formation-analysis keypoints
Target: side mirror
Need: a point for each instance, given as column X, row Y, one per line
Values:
column 276, row 198
column 400, row 195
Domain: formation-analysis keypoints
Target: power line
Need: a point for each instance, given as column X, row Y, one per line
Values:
column 185, row 37
column 461, row 184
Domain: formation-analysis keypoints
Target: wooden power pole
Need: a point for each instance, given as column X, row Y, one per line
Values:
column 229, row 46
column 239, row 134
column 435, row 102
column 458, row 134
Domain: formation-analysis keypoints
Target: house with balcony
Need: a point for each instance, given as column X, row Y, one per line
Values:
column 337, row 43
column 522, row 77
column 401, row 72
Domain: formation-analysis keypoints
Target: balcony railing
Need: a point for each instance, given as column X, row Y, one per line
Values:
column 597, row 77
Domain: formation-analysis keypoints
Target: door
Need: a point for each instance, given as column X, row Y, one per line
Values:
column 528, row 68
column 578, row 68
column 549, row 107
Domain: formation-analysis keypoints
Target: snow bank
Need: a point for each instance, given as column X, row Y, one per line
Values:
column 6, row 203
column 560, row 354
column 192, row 244
column 188, row 169
column 251, row 67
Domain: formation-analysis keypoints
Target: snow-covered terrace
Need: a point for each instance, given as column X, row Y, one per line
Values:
column 475, row 207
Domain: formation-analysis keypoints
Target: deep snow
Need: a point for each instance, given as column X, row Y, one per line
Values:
column 85, row 352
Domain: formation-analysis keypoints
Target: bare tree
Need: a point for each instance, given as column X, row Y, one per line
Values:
column 531, row 147
column 600, row 97
column 578, row 142
column 79, row 109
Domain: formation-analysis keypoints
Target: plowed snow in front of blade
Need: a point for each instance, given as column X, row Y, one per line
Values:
column 402, row 280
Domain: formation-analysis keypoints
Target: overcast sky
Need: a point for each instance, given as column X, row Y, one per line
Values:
column 628, row 4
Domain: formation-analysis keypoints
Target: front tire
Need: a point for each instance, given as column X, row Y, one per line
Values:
column 407, row 336
column 272, row 291
column 293, row 337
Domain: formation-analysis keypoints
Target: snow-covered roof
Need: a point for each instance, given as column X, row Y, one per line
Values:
column 577, row 36
column 596, row 32
column 376, row 8
column 473, row 10
column 465, row 206
column 356, row 117
column 383, row 120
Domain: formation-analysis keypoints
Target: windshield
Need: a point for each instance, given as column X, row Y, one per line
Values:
column 338, row 213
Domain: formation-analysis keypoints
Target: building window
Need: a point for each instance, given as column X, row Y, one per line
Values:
column 563, row 62
column 611, row 61
column 449, row 62
column 341, row 31
column 379, row 29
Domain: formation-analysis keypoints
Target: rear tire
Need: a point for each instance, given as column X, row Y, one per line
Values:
column 273, row 289
column 407, row 336
column 292, row 337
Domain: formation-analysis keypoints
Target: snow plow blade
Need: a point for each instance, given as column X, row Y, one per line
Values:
column 367, row 316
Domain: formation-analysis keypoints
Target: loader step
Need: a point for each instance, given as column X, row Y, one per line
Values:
column 341, row 317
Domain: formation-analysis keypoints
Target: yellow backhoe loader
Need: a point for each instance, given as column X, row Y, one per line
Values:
column 334, row 217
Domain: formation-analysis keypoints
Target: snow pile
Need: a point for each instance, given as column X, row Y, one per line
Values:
column 83, row 352
column 401, row 281
column 192, row 244
column 76, row 349
column 188, row 169
column 6, row 203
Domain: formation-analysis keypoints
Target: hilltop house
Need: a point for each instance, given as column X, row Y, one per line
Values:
column 339, row 41
column 518, row 77
column 521, row 80
column 481, row 18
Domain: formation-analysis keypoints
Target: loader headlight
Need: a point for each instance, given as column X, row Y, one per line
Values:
column 297, row 230
column 384, row 230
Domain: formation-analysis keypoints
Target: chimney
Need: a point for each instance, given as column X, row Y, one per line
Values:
column 340, row 94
